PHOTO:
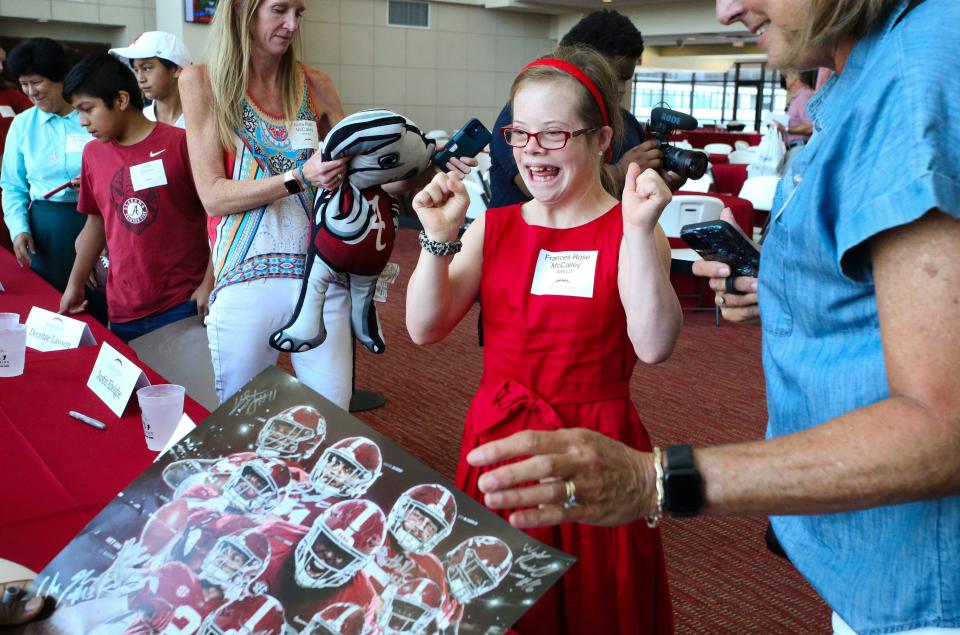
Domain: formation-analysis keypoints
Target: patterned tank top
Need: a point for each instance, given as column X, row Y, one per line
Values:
column 269, row 241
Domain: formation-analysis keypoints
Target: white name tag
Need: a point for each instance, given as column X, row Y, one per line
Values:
column 114, row 378
column 75, row 142
column 146, row 175
column 48, row 331
column 304, row 135
column 565, row 273
column 7, row 111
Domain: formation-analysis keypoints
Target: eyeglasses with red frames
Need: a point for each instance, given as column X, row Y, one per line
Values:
column 546, row 139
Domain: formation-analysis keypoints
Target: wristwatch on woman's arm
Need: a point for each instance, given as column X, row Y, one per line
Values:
column 682, row 483
column 291, row 183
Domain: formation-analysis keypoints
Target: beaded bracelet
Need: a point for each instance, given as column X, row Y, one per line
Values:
column 654, row 519
column 437, row 248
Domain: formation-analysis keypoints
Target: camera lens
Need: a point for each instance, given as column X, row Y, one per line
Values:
column 689, row 164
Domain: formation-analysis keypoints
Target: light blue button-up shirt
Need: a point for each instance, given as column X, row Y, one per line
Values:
column 886, row 150
column 42, row 152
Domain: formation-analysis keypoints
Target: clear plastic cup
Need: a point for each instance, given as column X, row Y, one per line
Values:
column 13, row 349
column 9, row 319
column 161, row 408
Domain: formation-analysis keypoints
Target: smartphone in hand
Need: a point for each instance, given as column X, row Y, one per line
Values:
column 720, row 241
column 468, row 141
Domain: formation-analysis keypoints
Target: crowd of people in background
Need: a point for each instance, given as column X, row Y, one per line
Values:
column 200, row 203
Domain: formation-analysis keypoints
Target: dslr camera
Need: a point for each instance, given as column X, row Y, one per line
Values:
column 689, row 164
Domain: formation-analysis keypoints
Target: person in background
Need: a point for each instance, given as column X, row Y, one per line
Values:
column 575, row 288
column 157, row 58
column 799, row 128
column 615, row 37
column 12, row 102
column 254, row 116
column 138, row 197
column 41, row 169
column 859, row 306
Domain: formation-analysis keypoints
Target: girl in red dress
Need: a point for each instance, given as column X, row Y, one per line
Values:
column 574, row 288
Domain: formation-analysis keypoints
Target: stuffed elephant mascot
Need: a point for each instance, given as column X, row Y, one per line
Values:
column 354, row 225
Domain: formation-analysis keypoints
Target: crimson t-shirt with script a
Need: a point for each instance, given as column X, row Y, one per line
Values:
column 154, row 222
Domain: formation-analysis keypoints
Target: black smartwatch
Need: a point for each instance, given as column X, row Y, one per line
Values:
column 291, row 183
column 682, row 484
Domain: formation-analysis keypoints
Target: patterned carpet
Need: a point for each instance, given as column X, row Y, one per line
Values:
column 711, row 391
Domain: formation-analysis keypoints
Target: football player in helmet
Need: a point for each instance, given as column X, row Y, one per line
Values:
column 477, row 565
column 342, row 618
column 422, row 517
column 316, row 567
column 236, row 560
column 293, row 434
column 250, row 615
column 347, row 468
column 410, row 608
column 258, row 486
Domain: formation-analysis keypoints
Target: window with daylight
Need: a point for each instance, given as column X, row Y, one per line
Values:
column 741, row 93
column 413, row 13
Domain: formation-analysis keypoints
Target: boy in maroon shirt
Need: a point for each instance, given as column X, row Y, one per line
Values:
column 137, row 189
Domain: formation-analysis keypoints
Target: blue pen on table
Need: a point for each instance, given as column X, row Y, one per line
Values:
column 90, row 421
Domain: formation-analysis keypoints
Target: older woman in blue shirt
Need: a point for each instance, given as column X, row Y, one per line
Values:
column 859, row 300
column 42, row 152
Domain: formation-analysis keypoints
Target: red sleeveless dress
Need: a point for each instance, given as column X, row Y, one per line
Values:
column 557, row 361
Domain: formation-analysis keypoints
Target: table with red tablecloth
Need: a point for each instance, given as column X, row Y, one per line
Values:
column 701, row 138
column 59, row 473
column 729, row 178
column 718, row 159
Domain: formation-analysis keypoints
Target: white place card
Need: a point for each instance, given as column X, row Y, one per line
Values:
column 114, row 379
column 49, row 331
column 7, row 111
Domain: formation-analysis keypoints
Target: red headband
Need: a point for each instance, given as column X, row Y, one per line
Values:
column 581, row 77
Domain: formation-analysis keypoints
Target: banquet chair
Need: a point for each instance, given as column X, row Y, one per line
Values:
column 683, row 210
column 703, row 184
column 718, row 148
column 741, row 157
column 759, row 190
column 740, row 144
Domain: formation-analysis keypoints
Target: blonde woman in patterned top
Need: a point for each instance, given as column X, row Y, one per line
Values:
column 254, row 116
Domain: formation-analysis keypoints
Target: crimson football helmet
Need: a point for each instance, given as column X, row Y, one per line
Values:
column 341, row 541
column 294, row 433
column 347, row 468
column 213, row 478
column 422, row 517
column 236, row 560
column 342, row 618
column 258, row 486
column 250, row 615
column 477, row 565
column 410, row 608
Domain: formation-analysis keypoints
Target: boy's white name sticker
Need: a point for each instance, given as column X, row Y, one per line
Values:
column 304, row 135
column 76, row 142
column 565, row 273
column 114, row 378
column 146, row 175
column 48, row 331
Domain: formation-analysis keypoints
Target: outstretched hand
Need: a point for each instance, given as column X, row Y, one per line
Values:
column 442, row 206
column 613, row 483
column 645, row 195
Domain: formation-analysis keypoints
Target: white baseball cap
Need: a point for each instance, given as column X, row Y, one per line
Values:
column 156, row 44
